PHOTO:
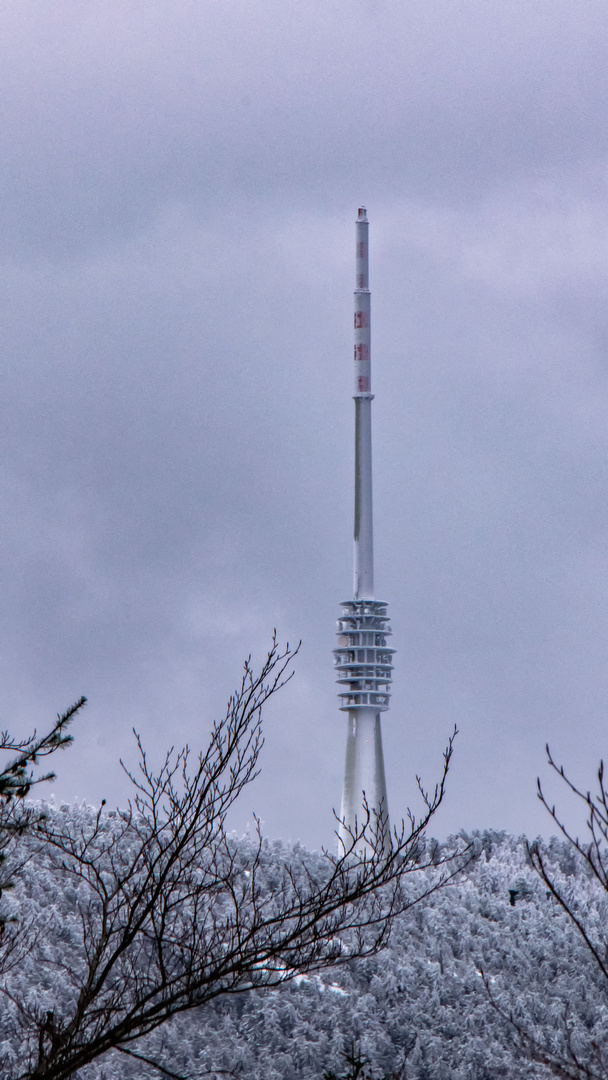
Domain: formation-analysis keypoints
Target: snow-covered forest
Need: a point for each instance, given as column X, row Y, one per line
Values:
column 419, row 1009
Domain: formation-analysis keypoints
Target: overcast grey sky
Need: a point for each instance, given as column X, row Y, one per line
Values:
column 178, row 188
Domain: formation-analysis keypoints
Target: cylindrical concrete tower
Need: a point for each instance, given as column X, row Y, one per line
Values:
column 363, row 659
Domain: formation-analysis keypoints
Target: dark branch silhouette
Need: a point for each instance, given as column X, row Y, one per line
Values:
column 17, row 777
column 175, row 913
column 569, row 1063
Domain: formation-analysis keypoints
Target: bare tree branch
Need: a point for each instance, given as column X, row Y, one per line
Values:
column 174, row 913
column 567, row 1067
column 173, row 1075
column 592, row 855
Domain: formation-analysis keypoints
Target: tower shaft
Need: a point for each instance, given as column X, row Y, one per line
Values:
column 363, row 659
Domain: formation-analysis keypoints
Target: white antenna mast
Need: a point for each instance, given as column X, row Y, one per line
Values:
column 363, row 659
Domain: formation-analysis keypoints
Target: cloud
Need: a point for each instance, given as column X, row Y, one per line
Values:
column 177, row 194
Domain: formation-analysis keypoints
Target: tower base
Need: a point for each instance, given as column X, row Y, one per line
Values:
column 364, row 801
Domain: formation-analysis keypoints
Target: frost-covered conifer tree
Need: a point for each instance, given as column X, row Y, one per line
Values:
column 17, row 777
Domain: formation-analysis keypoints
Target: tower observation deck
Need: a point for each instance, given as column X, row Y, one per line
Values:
column 363, row 660
column 364, row 663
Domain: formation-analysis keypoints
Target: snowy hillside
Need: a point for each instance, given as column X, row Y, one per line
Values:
column 417, row 1010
